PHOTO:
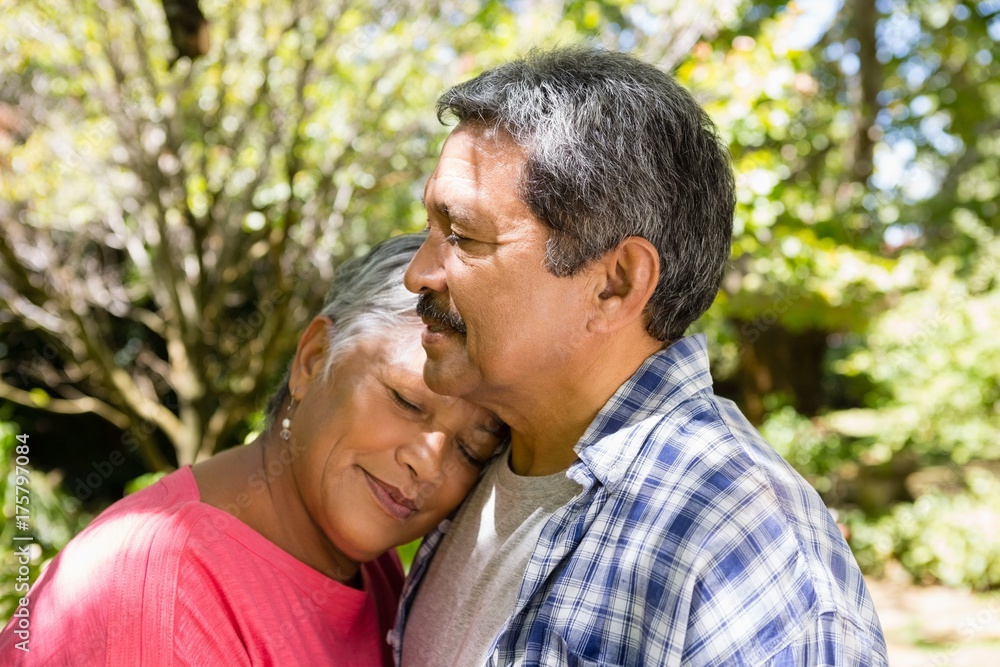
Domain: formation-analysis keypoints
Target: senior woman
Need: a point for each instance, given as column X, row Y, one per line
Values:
column 279, row 552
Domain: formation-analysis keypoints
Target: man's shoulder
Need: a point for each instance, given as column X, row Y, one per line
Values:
column 709, row 517
column 704, row 480
column 701, row 451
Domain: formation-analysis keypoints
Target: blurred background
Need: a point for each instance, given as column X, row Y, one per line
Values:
column 180, row 179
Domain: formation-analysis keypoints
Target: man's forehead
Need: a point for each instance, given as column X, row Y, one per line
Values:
column 468, row 155
column 482, row 146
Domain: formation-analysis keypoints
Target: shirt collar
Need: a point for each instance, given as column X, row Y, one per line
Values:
column 663, row 381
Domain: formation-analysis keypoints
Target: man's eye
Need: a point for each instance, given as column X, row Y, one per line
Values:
column 454, row 239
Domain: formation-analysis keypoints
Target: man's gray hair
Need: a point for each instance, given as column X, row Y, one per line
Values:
column 367, row 297
column 615, row 148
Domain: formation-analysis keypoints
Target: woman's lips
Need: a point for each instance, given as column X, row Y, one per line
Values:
column 392, row 500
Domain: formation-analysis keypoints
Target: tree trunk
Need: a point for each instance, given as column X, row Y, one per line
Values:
column 774, row 360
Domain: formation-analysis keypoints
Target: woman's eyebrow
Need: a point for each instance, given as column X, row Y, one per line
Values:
column 407, row 374
column 495, row 430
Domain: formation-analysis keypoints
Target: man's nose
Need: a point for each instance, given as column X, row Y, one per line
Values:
column 426, row 271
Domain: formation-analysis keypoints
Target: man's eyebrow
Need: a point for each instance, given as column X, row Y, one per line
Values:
column 442, row 210
column 451, row 213
column 439, row 207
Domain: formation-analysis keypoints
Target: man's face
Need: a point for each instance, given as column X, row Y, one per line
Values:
column 498, row 321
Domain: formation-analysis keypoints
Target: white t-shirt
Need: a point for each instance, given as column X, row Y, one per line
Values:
column 471, row 586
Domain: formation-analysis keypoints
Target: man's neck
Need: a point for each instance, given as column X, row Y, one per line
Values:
column 547, row 422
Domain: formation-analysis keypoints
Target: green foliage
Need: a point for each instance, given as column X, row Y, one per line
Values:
column 933, row 363
column 822, row 210
column 142, row 481
column 951, row 539
column 812, row 449
column 930, row 368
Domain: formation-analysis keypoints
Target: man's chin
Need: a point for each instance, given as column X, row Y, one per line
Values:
column 445, row 377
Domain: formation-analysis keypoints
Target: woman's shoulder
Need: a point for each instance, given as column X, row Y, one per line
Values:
column 115, row 574
column 134, row 539
column 174, row 489
column 157, row 513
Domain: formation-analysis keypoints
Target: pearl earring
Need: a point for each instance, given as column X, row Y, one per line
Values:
column 286, row 423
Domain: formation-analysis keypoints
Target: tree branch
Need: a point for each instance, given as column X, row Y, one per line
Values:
column 63, row 406
column 865, row 18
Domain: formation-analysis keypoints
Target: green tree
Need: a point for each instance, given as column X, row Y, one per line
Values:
column 168, row 230
column 169, row 226
column 866, row 142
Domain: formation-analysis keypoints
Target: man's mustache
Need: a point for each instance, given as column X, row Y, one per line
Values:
column 426, row 307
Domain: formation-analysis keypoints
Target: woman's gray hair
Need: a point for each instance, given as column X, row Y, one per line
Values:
column 367, row 295
column 615, row 148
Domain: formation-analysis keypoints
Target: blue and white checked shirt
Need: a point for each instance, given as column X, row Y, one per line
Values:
column 692, row 543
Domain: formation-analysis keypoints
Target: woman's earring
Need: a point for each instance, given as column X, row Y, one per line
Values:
column 286, row 423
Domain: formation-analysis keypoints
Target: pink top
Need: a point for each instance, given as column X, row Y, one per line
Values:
column 161, row 578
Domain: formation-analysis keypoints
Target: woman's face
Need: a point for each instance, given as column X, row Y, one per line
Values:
column 382, row 459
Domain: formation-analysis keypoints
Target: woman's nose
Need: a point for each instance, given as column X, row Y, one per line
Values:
column 425, row 455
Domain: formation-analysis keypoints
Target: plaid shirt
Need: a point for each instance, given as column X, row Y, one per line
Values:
column 692, row 543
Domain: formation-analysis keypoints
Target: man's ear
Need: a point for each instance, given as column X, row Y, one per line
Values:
column 626, row 278
column 310, row 355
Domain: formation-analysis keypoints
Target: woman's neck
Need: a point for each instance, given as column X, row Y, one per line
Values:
column 256, row 484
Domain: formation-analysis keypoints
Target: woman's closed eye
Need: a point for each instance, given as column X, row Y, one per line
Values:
column 469, row 455
column 406, row 405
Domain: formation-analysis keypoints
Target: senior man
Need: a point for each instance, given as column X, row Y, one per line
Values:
column 580, row 218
